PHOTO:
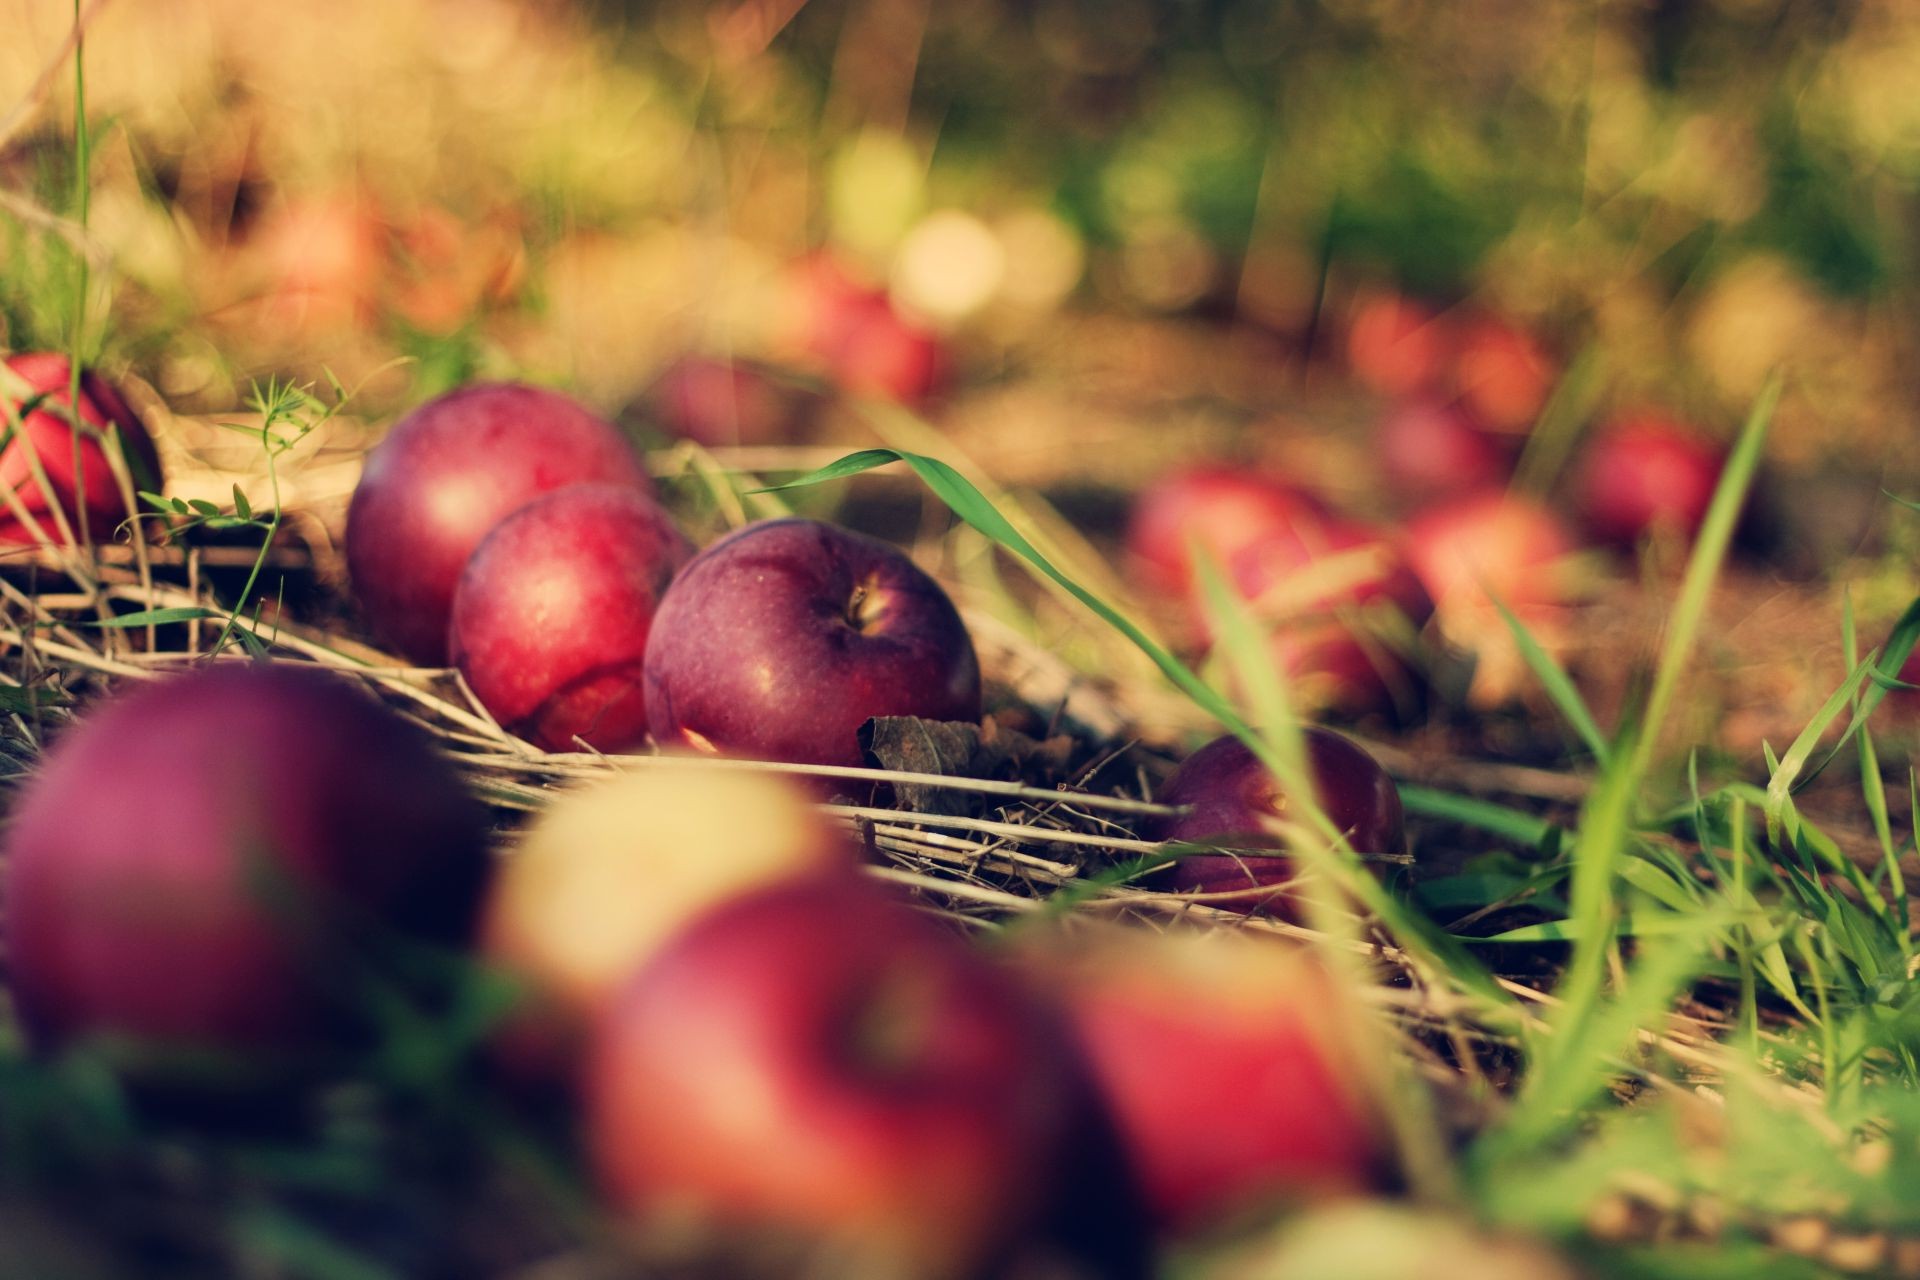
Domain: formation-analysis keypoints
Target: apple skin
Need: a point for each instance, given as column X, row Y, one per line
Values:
column 551, row 615
column 1646, row 472
column 1224, row 511
column 1230, row 1065
column 444, row 477
column 1234, row 798
column 781, row 639
column 1428, row 449
column 613, row 868
column 49, row 374
column 718, row 403
column 1398, row 346
column 1343, row 608
column 1502, row 374
column 184, row 863
column 819, row 1059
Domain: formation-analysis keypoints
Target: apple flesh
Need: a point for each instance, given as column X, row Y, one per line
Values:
column 1222, row 511
column 444, row 477
column 1429, row 449
column 718, row 403
column 1343, row 610
column 780, row 640
column 1231, row 1065
column 817, row 1059
column 46, row 433
column 1396, row 345
column 1645, row 473
column 1232, row 799
column 551, row 616
column 184, row 863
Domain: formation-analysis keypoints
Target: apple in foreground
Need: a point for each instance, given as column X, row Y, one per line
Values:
column 1233, row 1066
column 1429, row 449
column 717, row 402
column 780, row 640
column 47, row 434
column 1343, row 610
column 444, row 477
column 1221, row 510
column 612, row 869
column 551, row 616
column 819, row 1060
column 1232, row 799
column 193, row 855
column 1643, row 473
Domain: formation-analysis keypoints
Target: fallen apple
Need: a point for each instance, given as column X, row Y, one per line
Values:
column 189, row 861
column 551, row 616
column 1397, row 346
column 75, row 462
column 1502, row 374
column 1232, row 799
column 1233, row 1067
column 1430, row 449
column 1644, row 473
column 717, row 402
column 444, row 477
column 1491, row 543
column 780, row 640
column 818, row 1059
column 1221, row 510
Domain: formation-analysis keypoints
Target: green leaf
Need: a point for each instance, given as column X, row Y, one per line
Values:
column 241, row 507
column 1487, row 815
column 204, row 507
column 158, row 617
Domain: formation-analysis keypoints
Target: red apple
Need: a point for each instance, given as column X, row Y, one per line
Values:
column 1343, row 610
column 323, row 257
column 44, row 379
column 718, row 402
column 191, row 856
column 1233, row 800
column 1220, row 509
column 1643, row 473
column 1232, row 1066
column 818, row 1059
column 444, row 477
column 823, row 303
column 1503, row 375
column 780, row 640
column 551, row 616
column 1397, row 346
column 1497, row 542
column 1429, row 449
column 888, row 356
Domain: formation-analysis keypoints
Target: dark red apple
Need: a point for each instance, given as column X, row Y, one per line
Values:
column 1233, row 1067
column 1429, row 449
column 1396, row 345
column 718, row 403
column 1502, row 374
column 183, row 865
column 1233, row 800
column 44, row 379
column 551, row 617
column 1498, row 542
column 1643, row 473
column 780, row 640
column 1343, row 610
column 1220, row 509
column 444, row 477
column 818, row 1059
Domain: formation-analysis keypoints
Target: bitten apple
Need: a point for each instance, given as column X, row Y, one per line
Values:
column 1646, row 472
column 780, row 640
column 1233, row 1066
column 43, row 380
column 1232, row 799
column 192, row 854
column 1218, row 509
column 819, row 1059
column 551, row 616
column 444, row 477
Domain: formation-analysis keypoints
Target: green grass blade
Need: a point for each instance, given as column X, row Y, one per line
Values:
column 1559, row 686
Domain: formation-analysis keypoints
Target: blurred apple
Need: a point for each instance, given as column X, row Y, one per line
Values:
column 819, row 1059
column 196, row 858
column 551, row 615
column 445, row 475
column 324, row 257
column 1396, row 345
column 1222, row 510
column 44, row 380
column 1646, row 472
column 850, row 330
column 1502, row 374
column 1233, row 1066
column 780, row 640
column 613, row 868
column 1232, row 799
column 719, row 402
column 1430, row 449
column 446, row 269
